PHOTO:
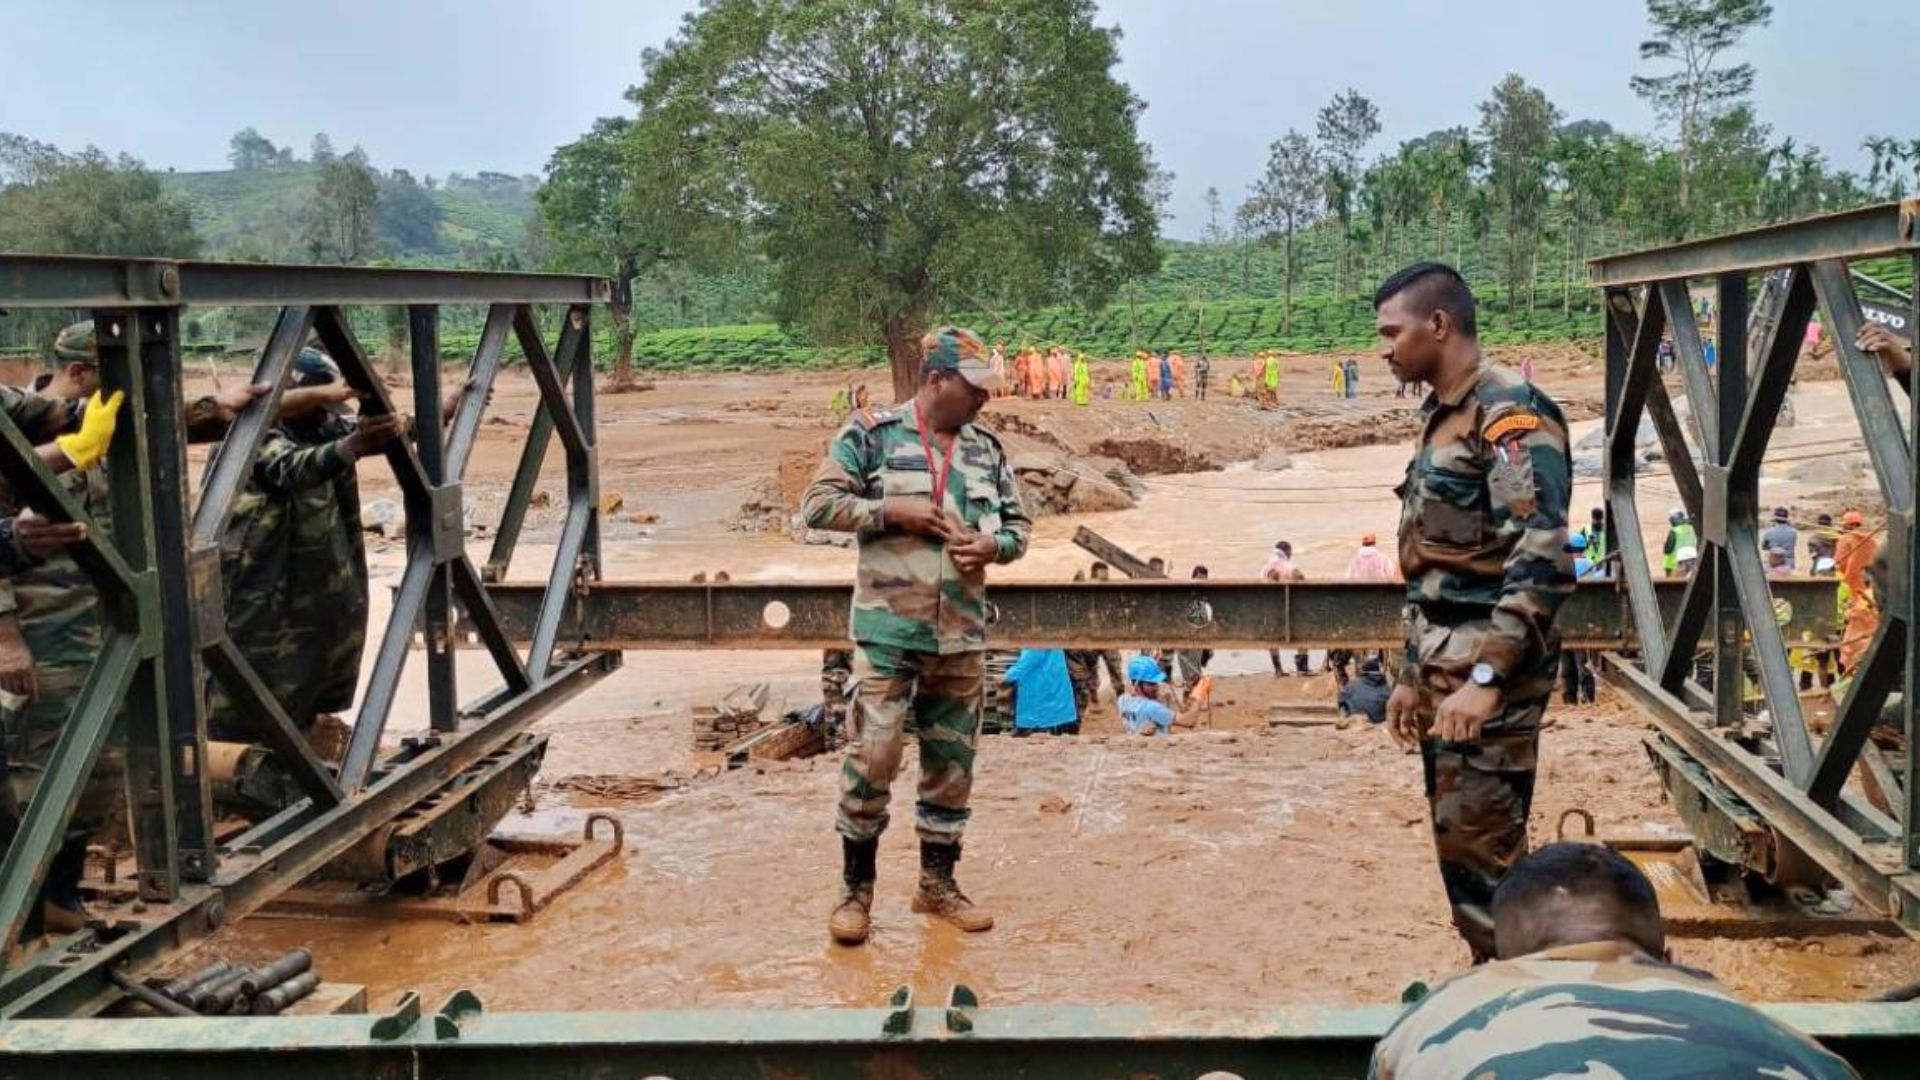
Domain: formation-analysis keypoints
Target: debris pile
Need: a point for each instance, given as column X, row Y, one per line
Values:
column 720, row 725
column 1054, row 482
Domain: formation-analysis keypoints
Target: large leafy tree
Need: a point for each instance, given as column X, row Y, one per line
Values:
column 343, row 215
column 82, row 204
column 87, row 204
column 590, row 223
column 1693, row 36
column 892, row 157
column 1286, row 199
column 1518, row 124
column 1345, row 126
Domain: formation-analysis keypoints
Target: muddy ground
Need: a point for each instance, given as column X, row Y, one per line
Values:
column 1240, row 865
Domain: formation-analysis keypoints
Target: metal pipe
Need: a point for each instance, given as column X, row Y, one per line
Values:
column 276, row 999
column 186, row 984
column 147, row 995
column 288, row 966
column 202, row 999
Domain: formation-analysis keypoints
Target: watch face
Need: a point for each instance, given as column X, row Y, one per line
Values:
column 1483, row 674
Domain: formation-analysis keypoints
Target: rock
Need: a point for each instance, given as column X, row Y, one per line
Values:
column 1273, row 460
column 381, row 516
column 1099, row 495
column 611, row 502
column 642, row 517
column 1830, row 472
column 1054, row 804
column 541, row 500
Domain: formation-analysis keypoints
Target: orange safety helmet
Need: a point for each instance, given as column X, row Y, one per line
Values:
column 1852, row 519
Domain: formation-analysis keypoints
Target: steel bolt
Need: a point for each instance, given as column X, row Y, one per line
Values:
column 169, row 280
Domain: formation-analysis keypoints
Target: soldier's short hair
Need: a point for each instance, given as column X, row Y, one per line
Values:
column 1570, row 893
column 1431, row 287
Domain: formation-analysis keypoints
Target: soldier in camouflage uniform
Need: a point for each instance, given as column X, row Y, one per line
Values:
column 933, row 502
column 1582, row 989
column 49, row 617
column 55, row 602
column 1483, row 535
column 294, row 563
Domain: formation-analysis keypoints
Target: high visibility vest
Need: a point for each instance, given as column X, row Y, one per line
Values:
column 1686, row 546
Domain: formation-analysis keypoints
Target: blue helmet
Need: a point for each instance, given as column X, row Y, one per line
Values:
column 1577, row 542
column 1145, row 669
column 314, row 368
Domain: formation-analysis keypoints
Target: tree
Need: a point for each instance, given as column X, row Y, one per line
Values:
column 406, row 219
column 83, row 204
column 322, row 149
column 1215, row 235
column 1518, row 123
column 87, row 204
column 890, row 160
column 1345, row 126
column 1285, row 200
column 586, row 208
column 249, row 150
column 1693, row 35
column 340, row 225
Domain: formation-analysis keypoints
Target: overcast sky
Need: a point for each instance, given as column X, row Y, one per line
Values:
column 438, row 86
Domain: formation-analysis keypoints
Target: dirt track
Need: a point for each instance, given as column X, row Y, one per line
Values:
column 1227, row 867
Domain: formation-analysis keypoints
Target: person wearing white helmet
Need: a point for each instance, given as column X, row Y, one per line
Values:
column 1682, row 548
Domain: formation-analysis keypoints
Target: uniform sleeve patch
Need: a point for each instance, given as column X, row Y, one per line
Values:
column 1510, row 425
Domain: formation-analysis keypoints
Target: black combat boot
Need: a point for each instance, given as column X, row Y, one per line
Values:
column 852, row 921
column 940, row 895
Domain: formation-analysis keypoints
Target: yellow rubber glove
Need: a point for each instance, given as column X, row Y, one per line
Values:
column 89, row 444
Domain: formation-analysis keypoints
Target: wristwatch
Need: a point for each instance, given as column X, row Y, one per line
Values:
column 1484, row 675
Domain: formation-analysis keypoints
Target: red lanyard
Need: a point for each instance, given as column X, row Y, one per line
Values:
column 942, row 469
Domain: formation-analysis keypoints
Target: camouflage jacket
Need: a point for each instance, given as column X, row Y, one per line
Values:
column 1483, row 523
column 294, row 564
column 907, row 593
column 1600, row 1009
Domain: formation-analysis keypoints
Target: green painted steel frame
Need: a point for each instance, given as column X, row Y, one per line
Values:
column 1795, row 782
column 161, row 569
column 1074, row 1043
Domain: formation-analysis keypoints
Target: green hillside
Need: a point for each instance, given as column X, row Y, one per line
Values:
column 256, row 213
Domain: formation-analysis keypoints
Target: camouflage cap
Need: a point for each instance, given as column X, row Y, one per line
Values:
column 76, row 344
column 952, row 348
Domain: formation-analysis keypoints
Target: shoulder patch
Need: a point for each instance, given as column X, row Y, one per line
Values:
column 873, row 418
column 1513, row 422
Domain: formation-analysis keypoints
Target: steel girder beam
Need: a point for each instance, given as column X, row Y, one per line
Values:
column 75, row 281
column 1869, row 232
column 1116, row 614
column 1073, row 1043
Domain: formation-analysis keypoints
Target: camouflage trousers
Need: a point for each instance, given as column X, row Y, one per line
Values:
column 943, row 694
column 28, row 736
column 1479, row 793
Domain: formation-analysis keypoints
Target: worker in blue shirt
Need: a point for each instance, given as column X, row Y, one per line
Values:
column 1576, row 667
column 1143, row 712
column 1043, row 700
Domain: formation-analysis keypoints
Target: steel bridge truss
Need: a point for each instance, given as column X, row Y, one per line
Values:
column 159, row 580
column 1795, row 781
column 164, row 615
